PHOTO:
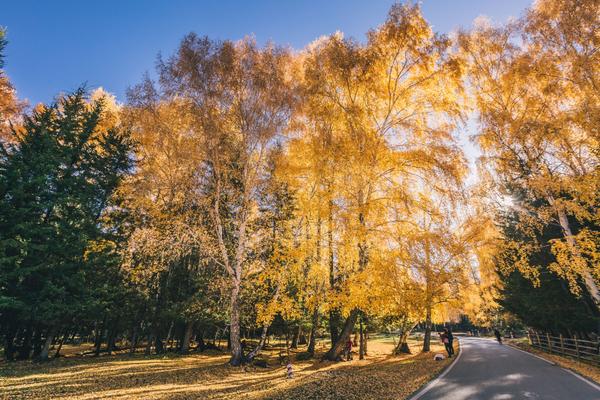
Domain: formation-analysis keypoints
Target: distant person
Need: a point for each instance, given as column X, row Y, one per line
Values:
column 450, row 340
column 348, row 349
column 498, row 336
column 446, row 341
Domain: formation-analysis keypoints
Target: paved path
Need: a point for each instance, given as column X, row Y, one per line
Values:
column 487, row 370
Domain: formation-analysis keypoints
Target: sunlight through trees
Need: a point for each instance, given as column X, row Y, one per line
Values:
column 315, row 194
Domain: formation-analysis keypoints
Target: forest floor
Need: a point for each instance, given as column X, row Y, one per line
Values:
column 208, row 376
column 589, row 371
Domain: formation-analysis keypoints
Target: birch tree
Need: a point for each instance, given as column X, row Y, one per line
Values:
column 535, row 88
column 389, row 126
column 240, row 97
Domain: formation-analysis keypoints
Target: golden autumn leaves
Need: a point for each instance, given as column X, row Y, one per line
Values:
column 330, row 181
column 347, row 148
column 535, row 86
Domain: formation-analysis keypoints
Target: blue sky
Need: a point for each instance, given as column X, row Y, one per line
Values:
column 57, row 45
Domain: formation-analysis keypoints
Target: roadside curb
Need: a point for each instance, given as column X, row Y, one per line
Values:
column 576, row 374
column 426, row 387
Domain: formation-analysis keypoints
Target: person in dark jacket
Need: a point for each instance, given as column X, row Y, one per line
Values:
column 450, row 340
column 498, row 335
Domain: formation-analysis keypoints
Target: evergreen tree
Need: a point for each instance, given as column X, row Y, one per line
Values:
column 55, row 182
column 549, row 305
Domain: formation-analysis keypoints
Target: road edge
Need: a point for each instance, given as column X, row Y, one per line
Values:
column 531, row 354
column 576, row 374
column 426, row 387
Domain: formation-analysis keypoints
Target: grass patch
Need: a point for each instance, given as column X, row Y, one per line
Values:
column 586, row 369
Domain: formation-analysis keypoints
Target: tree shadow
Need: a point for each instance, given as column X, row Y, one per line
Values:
column 206, row 376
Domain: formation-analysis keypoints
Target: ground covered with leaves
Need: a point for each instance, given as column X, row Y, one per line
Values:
column 583, row 368
column 207, row 376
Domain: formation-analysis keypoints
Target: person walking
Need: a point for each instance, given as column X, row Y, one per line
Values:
column 498, row 335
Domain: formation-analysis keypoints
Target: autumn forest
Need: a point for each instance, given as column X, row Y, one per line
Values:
column 244, row 194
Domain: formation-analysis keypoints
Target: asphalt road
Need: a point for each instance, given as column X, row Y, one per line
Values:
column 487, row 370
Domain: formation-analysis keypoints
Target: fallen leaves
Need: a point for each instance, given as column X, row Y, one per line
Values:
column 208, row 376
column 589, row 371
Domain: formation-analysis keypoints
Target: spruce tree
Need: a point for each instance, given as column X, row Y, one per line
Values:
column 55, row 182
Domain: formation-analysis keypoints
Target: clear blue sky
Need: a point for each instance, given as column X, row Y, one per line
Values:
column 57, row 45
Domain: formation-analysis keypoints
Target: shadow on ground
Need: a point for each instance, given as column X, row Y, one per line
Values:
column 207, row 376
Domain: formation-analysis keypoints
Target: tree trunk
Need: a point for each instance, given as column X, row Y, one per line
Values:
column 428, row 298
column 361, row 349
column 98, row 339
column 201, row 343
column 312, row 342
column 110, row 340
column 9, row 342
column 261, row 343
column 9, row 347
column 148, row 350
column 25, row 348
column 337, row 348
column 427, row 338
column 287, row 342
column 302, row 339
column 588, row 279
column 234, row 326
column 334, row 322
column 65, row 337
column 334, row 316
column 133, row 339
column 296, row 337
column 37, row 343
column 47, row 343
column 168, row 342
column 402, row 347
column 159, row 346
column 313, row 332
column 185, row 344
